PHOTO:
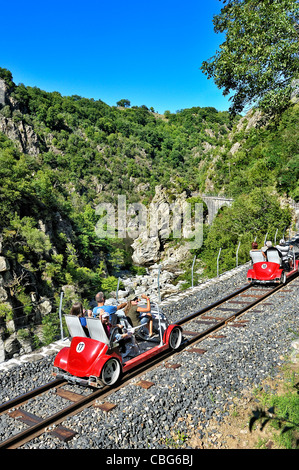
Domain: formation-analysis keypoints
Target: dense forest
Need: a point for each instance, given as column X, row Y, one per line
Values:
column 76, row 152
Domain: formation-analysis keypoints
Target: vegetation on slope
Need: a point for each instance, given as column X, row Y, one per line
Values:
column 89, row 152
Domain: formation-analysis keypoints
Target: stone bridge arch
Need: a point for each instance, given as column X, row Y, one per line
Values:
column 214, row 203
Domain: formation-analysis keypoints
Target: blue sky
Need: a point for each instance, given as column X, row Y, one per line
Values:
column 147, row 52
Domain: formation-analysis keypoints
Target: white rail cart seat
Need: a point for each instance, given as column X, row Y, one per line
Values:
column 257, row 256
column 96, row 330
column 274, row 256
column 74, row 326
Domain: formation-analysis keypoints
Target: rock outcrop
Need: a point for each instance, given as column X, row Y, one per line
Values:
column 156, row 243
column 16, row 129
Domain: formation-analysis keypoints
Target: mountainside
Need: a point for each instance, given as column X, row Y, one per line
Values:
column 60, row 157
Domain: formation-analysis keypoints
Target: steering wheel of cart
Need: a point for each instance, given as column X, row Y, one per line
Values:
column 114, row 332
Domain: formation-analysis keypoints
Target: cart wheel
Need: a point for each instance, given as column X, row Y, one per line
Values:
column 111, row 371
column 283, row 278
column 175, row 338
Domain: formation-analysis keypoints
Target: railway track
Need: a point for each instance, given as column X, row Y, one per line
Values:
column 196, row 327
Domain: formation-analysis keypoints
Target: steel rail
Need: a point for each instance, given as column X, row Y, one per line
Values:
column 37, row 429
column 33, row 393
column 213, row 305
column 242, row 310
column 222, row 323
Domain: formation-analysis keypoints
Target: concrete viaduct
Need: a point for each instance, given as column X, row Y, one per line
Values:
column 214, row 203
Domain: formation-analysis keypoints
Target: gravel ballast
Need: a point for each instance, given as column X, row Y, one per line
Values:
column 181, row 400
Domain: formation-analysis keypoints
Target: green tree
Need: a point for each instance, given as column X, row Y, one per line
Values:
column 6, row 75
column 259, row 58
column 124, row 103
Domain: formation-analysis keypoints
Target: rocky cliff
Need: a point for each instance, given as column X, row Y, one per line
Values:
column 13, row 126
column 14, row 316
column 156, row 242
